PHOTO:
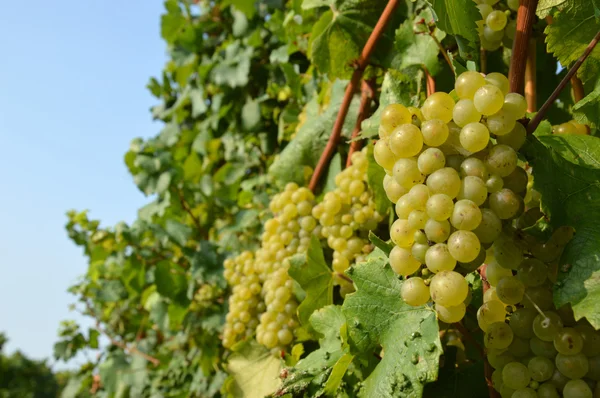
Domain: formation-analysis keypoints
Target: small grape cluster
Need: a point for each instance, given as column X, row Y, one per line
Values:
column 454, row 188
column 346, row 214
column 496, row 27
column 571, row 127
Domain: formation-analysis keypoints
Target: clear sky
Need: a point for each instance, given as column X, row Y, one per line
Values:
column 72, row 96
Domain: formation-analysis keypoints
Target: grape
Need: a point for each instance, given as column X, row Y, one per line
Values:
column 406, row 141
column 499, row 360
column 510, row 290
column 513, row 4
column 565, row 128
column 446, row 181
column 393, row 116
column 417, row 219
column 498, row 335
column 516, row 181
column 406, row 173
column 515, row 104
column 473, row 167
column 540, row 368
column 501, row 160
column 497, row 379
column 591, row 340
column 568, row 341
column 494, row 272
column 464, row 246
column 488, row 99
column 464, row 112
column 467, row 83
column 547, row 326
column 419, row 250
column 484, row 10
column 418, row 196
column 393, row 190
column 494, row 183
column 454, row 161
column 492, row 35
column 547, row 390
column 474, row 137
column 448, row 288
column 541, row 296
column 474, row 189
column 401, row 234
column 466, row 215
column 414, row 292
column 594, row 365
column 559, row 380
column 404, row 207
column 498, row 80
column 572, row 366
column 496, row 20
column 490, row 294
column 439, row 207
column 383, row 154
column 524, row 393
column 420, row 237
column 532, row 272
column 417, row 116
column 435, row 132
column 577, row 389
column 490, row 226
column 519, row 347
column 438, row 258
column 515, row 375
column 490, row 312
column 505, row 203
column 501, row 122
column 402, row 261
column 430, row 160
column 490, row 45
column 437, row 231
column 515, row 138
column 542, row 348
column 438, row 106
column 450, row 314
column 511, row 30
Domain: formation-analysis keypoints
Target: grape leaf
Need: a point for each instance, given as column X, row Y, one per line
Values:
column 587, row 110
column 334, row 168
column 254, row 370
column 567, row 174
column 375, row 174
column 467, row 380
column 570, row 33
column 314, row 276
column 545, row 7
column 457, row 17
column 377, row 317
column 379, row 243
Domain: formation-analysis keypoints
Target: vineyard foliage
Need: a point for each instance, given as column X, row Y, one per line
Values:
column 248, row 99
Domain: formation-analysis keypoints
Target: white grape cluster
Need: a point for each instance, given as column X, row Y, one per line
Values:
column 496, row 27
column 455, row 181
column 346, row 214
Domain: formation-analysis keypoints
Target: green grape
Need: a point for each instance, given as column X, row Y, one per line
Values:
column 401, row 234
column 484, row 10
column 513, row 4
column 414, row 291
column 529, row 218
column 473, row 265
column 393, row 190
column 515, row 375
column 438, row 258
column 490, row 45
column 511, row 29
column 466, row 215
column 490, row 226
column 492, row 35
column 501, row 160
column 406, row 173
column 594, row 365
column 498, row 335
column 546, row 252
column 568, row 341
column 446, row 181
column 542, row 348
column 448, row 288
column 519, row 347
column 496, row 20
column 419, row 250
column 497, row 379
column 467, row 83
column 547, row 390
column 524, row 393
column 474, row 137
column 406, row 141
column 540, row 368
column 591, row 339
column 488, row 99
column 437, row 231
column 499, row 360
column 490, row 312
column 494, row 272
column 474, row 189
column 450, row 314
column 417, row 219
column 473, row 167
column 540, row 296
column 435, row 132
column 547, row 326
column 494, row 183
column 439, row 207
column 510, row 290
column 500, row 123
column 438, row 106
column 464, row 246
column 577, row 389
column 573, row 366
column 420, row 237
column 532, row 272
column 402, row 261
column 464, row 112
column 505, row 203
column 558, row 379
column 516, row 181
column 430, row 160
column 383, row 154
column 403, row 207
column 490, row 294
column 515, row 138
column 418, row 196
column 498, row 80
column 454, row 161
column 393, row 116
column 565, row 128
column 516, row 105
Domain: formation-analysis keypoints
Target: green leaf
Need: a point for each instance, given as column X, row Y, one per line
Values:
column 587, row 110
column 545, row 7
column 199, row 106
column 567, row 173
column 171, row 282
column 233, row 68
column 308, row 4
column 315, row 278
column 457, row 17
column 178, row 233
column 254, row 370
column 409, row 335
column 375, row 175
column 416, row 49
column 192, row 168
column 570, row 33
column 385, row 247
column 250, row 115
column 110, row 371
column 335, row 167
column 464, row 380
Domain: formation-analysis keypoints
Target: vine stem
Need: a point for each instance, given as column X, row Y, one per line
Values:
column 531, row 79
column 518, row 61
column 442, row 50
column 540, row 115
column 487, row 368
column 367, row 92
column 360, row 66
column 578, row 91
column 430, row 81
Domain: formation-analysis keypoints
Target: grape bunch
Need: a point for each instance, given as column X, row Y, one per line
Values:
column 496, row 26
column 346, row 215
column 453, row 173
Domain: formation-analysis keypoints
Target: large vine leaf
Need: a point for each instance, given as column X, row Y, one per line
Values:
column 255, row 371
column 377, row 317
column 457, row 17
column 570, row 33
column 545, row 7
column 587, row 110
column 567, row 174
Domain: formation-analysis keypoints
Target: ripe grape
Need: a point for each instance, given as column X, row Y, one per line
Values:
column 573, row 366
column 510, row 290
column 448, row 288
column 488, row 99
column 401, row 233
column 437, row 231
column 474, row 137
column 547, row 390
column 474, row 189
column 501, row 122
column 467, row 83
column 430, row 160
column 473, row 167
column 435, row 132
column 418, row 196
column 490, row 312
column 466, row 215
column 446, row 181
column 540, row 368
column 402, row 261
column 438, row 106
column 498, row 335
column 490, row 226
column 568, row 341
column 464, row 246
column 414, row 292
column 450, row 314
column 393, row 116
column 515, row 138
column 464, row 112
column 546, row 326
column 498, row 80
column 577, row 389
column 406, row 141
column 542, row 348
column 496, row 20
column 501, row 160
column 406, row 172
column 439, row 207
column 532, row 272
column 383, row 154
column 438, row 258
column 515, row 375
column 515, row 104
column 494, row 272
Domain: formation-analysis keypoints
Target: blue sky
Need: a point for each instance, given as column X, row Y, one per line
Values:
column 72, row 96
